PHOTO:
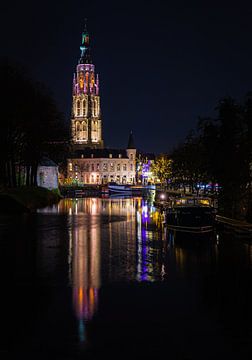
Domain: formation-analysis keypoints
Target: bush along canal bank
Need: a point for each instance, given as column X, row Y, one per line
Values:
column 27, row 199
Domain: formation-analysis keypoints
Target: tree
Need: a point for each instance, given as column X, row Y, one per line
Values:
column 220, row 150
column 30, row 122
column 161, row 168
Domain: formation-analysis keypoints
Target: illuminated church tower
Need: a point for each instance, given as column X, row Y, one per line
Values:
column 86, row 123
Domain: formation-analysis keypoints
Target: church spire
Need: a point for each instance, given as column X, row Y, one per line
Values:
column 86, row 122
column 85, row 47
column 131, row 143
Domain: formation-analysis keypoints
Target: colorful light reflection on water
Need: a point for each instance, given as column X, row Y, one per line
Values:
column 124, row 227
column 87, row 270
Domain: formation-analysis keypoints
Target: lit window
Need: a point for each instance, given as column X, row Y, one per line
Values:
column 78, row 107
column 110, row 156
column 84, row 107
column 120, row 155
column 70, row 167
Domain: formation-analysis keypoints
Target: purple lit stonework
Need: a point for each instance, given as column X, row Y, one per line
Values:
column 84, row 80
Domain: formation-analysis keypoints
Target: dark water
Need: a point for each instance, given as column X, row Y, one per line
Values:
column 102, row 277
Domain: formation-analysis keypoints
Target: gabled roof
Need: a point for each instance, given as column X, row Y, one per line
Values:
column 131, row 143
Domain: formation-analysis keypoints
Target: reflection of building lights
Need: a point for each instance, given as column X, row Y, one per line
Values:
column 217, row 239
column 145, row 210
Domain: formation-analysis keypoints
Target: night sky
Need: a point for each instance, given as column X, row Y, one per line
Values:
column 160, row 66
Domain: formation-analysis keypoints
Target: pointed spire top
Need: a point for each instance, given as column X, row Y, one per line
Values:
column 85, row 46
column 131, row 143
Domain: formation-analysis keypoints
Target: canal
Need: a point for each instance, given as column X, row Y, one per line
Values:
column 97, row 277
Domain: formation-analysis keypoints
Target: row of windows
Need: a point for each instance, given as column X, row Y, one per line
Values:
column 105, row 167
column 104, row 179
column 82, row 108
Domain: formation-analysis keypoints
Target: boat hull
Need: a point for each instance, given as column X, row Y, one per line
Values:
column 195, row 219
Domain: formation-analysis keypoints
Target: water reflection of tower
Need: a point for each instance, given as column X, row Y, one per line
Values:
column 85, row 239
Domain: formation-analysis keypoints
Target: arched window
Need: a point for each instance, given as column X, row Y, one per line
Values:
column 78, row 107
column 84, row 103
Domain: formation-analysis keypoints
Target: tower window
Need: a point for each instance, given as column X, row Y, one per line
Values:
column 78, row 108
column 110, row 156
column 120, row 155
column 84, row 107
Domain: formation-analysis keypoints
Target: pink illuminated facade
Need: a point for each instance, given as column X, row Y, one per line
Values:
column 89, row 161
column 86, row 123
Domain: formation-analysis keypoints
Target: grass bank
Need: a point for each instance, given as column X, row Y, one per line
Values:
column 26, row 199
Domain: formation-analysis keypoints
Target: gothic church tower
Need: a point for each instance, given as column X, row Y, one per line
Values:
column 86, row 123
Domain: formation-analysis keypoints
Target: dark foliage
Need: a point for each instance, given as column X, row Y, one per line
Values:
column 219, row 151
column 30, row 127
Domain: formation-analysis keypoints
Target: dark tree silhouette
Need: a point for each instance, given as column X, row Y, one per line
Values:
column 220, row 150
column 30, row 125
